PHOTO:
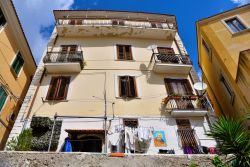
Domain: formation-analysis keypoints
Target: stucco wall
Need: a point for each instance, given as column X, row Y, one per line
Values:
column 167, row 125
column 225, row 48
column 12, row 159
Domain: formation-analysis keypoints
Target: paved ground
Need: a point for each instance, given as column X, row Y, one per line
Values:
column 39, row 159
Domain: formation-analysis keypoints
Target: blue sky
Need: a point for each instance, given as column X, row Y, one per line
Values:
column 37, row 18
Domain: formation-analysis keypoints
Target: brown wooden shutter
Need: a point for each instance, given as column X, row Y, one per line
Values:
column 64, row 49
column 165, row 50
column 168, row 85
column 122, row 86
column 189, row 90
column 132, row 87
column 63, row 88
column 72, row 49
column 52, row 88
column 120, row 52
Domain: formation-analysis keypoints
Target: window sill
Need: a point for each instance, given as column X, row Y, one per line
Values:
column 58, row 101
column 125, row 60
column 128, row 98
column 241, row 32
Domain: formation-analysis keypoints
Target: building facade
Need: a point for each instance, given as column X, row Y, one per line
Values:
column 17, row 67
column 118, row 82
column 224, row 47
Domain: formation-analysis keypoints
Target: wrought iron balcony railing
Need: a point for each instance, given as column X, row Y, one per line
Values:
column 184, row 102
column 61, row 57
column 172, row 58
column 113, row 22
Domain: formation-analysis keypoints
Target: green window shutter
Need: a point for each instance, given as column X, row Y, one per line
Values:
column 3, row 97
column 18, row 63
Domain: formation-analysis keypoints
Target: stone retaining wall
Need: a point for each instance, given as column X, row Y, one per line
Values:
column 38, row 159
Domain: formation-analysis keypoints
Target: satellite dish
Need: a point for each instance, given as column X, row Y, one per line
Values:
column 200, row 86
column 152, row 47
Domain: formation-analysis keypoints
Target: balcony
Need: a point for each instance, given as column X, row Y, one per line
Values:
column 184, row 106
column 109, row 27
column 172, row 63
column 59, row 62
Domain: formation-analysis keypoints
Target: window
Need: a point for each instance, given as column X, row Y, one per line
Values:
column 178, row 86
column 118, row 22
column 165, row 50
column 17, row 63
column 227, row 87
column 187, row 137
column 129, row 122
column 156, row 25
column 2, row 18
column 124, row 52
column 127, row 86
column 58, row 88
column 235, row 24
column 207, row 48
column 3, row 97
column 68, row 49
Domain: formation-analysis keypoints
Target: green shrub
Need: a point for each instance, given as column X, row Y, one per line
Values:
column 21, row 142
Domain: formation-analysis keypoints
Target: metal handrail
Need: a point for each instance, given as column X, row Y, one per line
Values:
column 184, row 102
column 172, row 58
column 64, row 57
column 114, row 22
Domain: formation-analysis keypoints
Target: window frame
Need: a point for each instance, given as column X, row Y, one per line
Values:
column 126, row 122
column 13, row 61
column 1, row 107
column 241, row 21
column 124, row 52
column 55, row 95
column 207, row 48
column 135, row 87
column 4, row 18
column 227, row 88
column 188, row 86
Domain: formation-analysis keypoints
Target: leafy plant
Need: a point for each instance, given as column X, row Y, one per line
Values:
column 218, row 163
column 232, row 138
column 193, row 164
column 21, row 142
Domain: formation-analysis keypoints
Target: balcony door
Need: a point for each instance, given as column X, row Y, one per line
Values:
column 180, row 87
column 68, row 53
column 167, row 55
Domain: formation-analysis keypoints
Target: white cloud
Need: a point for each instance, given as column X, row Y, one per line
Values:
column 199, row 73
column 35, row 14
column 241, row 2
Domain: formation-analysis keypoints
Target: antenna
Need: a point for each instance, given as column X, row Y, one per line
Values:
column 200, row 87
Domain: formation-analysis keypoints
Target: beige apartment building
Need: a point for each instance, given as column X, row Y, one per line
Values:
column 119, row 82
column 17, row 67
column 224, row 50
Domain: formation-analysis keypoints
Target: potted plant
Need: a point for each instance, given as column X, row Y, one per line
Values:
column 192, row 97
column 176, row 96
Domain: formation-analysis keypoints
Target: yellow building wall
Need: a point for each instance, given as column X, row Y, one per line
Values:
column 17, row 85
column 226, row 48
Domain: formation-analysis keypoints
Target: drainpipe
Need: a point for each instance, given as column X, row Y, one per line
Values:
column 52, row 132
column 105, row 115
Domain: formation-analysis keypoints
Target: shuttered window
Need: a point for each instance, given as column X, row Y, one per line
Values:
column 124, row 52
column 2, row 18
column 127, row 86
column 187, row 137
column 165, row 50
column 68, row 49
column 3, row 97
column 17, row 63
column 58, row 88
column 118, row 22
column 156, row 25
column 178, row 87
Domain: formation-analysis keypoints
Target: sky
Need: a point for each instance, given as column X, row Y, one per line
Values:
column 37, row 19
